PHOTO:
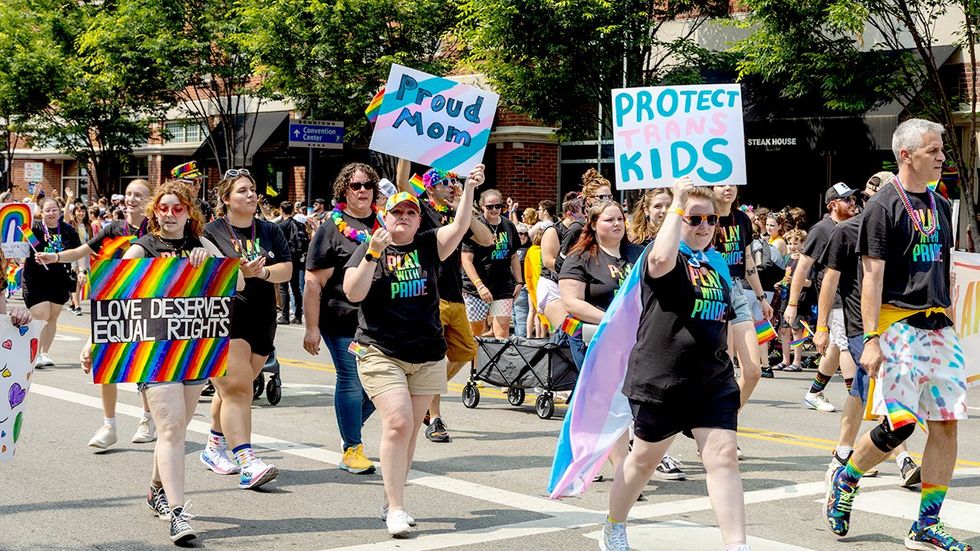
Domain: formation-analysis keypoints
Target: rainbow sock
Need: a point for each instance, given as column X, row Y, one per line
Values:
column 851, row 474
column 819, row 383
column 244, row 454
column 216, row 440
column 930, row 503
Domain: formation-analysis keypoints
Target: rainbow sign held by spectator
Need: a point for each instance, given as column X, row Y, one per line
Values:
column 14, row 217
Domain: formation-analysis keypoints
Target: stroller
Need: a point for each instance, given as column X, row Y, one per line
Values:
column 518, row 364
column 273, row 390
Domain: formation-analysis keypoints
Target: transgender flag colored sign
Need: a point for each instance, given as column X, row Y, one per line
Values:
column 433, row 120
column 161, row 319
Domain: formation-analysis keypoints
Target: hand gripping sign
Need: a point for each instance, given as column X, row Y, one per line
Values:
column 663, row 133
column 433, row 121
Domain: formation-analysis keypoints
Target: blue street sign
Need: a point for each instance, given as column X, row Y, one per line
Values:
column 325, row 134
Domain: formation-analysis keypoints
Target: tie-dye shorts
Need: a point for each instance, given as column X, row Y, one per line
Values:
column 922, row 376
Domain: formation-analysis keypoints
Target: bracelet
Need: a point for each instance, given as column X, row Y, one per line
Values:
column 678, row 211
column 478, row 282
column 57, row 257
column 823, row 329
column 265, row 276
column 871, row 335
column 793, row 304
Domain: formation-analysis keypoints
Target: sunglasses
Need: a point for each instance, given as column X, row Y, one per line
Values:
column 496, row 206
column 695, row 220
column 235, row 172
column 358, row 186
column 448, row 182
column 605, row 197
column 176, row 210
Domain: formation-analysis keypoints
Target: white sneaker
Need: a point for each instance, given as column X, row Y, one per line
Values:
column 104, row 437
column 384, row 515
column 256, row 474
column 818, row 402
column 145, row 431
column 613, row 537
column 46, row 361
column 217, row 460
column 398, row 523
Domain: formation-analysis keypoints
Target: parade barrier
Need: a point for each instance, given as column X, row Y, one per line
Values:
column 18, row 349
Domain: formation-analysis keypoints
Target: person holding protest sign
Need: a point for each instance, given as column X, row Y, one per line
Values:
column 47, row 287
column 648, row 215
column 680, row 376
column 112, row 241
column 443, row 191
column 734, row 242
column 265, row 262
column 399, row 343
column 904, row 240
column 555, row 241
column 492, row 275
column 328, row 312
column 840, row 203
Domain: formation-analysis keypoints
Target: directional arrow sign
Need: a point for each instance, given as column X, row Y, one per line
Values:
column 323, row 134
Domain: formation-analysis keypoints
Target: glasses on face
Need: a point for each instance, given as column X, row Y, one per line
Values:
column 176, row 210
column 448, row 182
column 495, row 206
column 235, row 172
column 358, row 186
column 695, row 220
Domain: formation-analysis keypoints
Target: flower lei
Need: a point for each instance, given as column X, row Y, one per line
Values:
column 914, row 214
column 360, row 236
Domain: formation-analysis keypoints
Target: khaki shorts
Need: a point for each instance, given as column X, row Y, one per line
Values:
column 460, row 344
column 379, row 373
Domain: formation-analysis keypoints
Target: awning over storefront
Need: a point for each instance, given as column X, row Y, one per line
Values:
column 252, row 133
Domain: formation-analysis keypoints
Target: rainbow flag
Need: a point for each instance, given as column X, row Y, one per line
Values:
column 801, row 340
column 599, row 412
column 154, row 278
column 374, row 108
column 764, row 331
column 114, row 247
column 571, row 326
column 15, row 277
column 30, row 237
column 418, row 185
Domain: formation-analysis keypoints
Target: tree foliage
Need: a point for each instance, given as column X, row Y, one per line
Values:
column 557, row 60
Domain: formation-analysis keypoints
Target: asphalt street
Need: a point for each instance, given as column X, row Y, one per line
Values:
column 484, row 490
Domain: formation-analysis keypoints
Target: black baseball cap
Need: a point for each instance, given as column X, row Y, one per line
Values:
column 320, row 200
column 840, row 190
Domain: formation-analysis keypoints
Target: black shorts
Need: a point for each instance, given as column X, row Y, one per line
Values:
column 45, row 291
column 656, row 422
column 258, row 329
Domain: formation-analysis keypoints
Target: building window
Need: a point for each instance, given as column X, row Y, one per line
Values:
column 184, row 132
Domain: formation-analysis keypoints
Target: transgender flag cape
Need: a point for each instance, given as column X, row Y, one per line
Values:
column 600, row 412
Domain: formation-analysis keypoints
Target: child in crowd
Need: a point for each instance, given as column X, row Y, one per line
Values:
column 794, row 242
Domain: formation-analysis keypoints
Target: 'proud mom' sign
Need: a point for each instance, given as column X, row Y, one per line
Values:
column 666, row 132
column 434, row 121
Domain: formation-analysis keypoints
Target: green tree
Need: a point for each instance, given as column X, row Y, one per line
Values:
column 815, row 47
column 28, row 71
column 558, row 60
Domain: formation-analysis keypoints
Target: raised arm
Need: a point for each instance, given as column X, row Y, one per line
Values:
column 402, row 170
column 663, row 256
column 449, row 236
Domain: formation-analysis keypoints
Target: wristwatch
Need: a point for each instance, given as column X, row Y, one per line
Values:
column 371, row 256
column 760, row 298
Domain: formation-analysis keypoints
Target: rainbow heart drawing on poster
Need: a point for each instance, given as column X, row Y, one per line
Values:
column 161, row 319
column 13, row 216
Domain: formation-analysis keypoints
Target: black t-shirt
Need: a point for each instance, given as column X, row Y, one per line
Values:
column 734, row 236
column 841, row 255
column 332, row 249
column 53, row 240
column 451, row 269
column 602, row 273
column 681, row 347
column 560, row 229
column 493, row 263
column 816, row 242
column 263, row 238
column 113, row 231
column 206, row 209
column 400, row 315
column 916, row 265
column 161, row 247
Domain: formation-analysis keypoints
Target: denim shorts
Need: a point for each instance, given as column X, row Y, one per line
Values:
column 192, row 382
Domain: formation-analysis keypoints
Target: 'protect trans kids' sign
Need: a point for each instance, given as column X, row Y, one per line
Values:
column 662, row 133
column 433, row 120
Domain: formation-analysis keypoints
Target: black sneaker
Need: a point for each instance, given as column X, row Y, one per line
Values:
column 283, row 321
column 156, row 500
column 911, row 473
column 669, row 469
column 767, row 372
column 436, row 431
column 180, row 529
column 298, row 320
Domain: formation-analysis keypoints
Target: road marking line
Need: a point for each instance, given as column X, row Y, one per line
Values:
column 688, row 536
column 903, row 504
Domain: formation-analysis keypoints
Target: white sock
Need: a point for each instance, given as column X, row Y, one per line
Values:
column 109, row 421
column 900, row 458
column 147, row 416
column 843, row 451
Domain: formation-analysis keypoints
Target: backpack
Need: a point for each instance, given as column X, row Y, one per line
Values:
column 770, row 264
column 297, row 240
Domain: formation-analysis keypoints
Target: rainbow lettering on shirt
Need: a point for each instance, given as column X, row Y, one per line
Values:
column 502, row 246
column 730, row 238
column 929, row 249
column 618, row 274
column 709, row 303
column 409, row 275
column 54, row 244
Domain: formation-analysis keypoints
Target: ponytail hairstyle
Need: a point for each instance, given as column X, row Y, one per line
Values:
column 587, row 241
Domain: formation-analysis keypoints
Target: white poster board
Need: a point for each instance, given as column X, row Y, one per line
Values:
column 662, row 133
column 965, row 296
column 14, row 217
column 434, row 121
column 18, row 348
column 33, row 172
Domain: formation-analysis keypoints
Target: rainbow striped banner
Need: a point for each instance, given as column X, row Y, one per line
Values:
column 148, row 286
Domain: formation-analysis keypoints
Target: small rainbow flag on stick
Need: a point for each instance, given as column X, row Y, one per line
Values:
column 374, row 108
column 764, row 332
column 418, row 185
column 801, row 340
column 30, row 238
column 571, row 326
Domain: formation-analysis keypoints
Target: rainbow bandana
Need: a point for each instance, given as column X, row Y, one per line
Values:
column 374, row 108
column 764, row 332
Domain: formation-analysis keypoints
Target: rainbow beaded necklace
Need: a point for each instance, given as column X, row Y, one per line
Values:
column 914, row 214
column 360, row 236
